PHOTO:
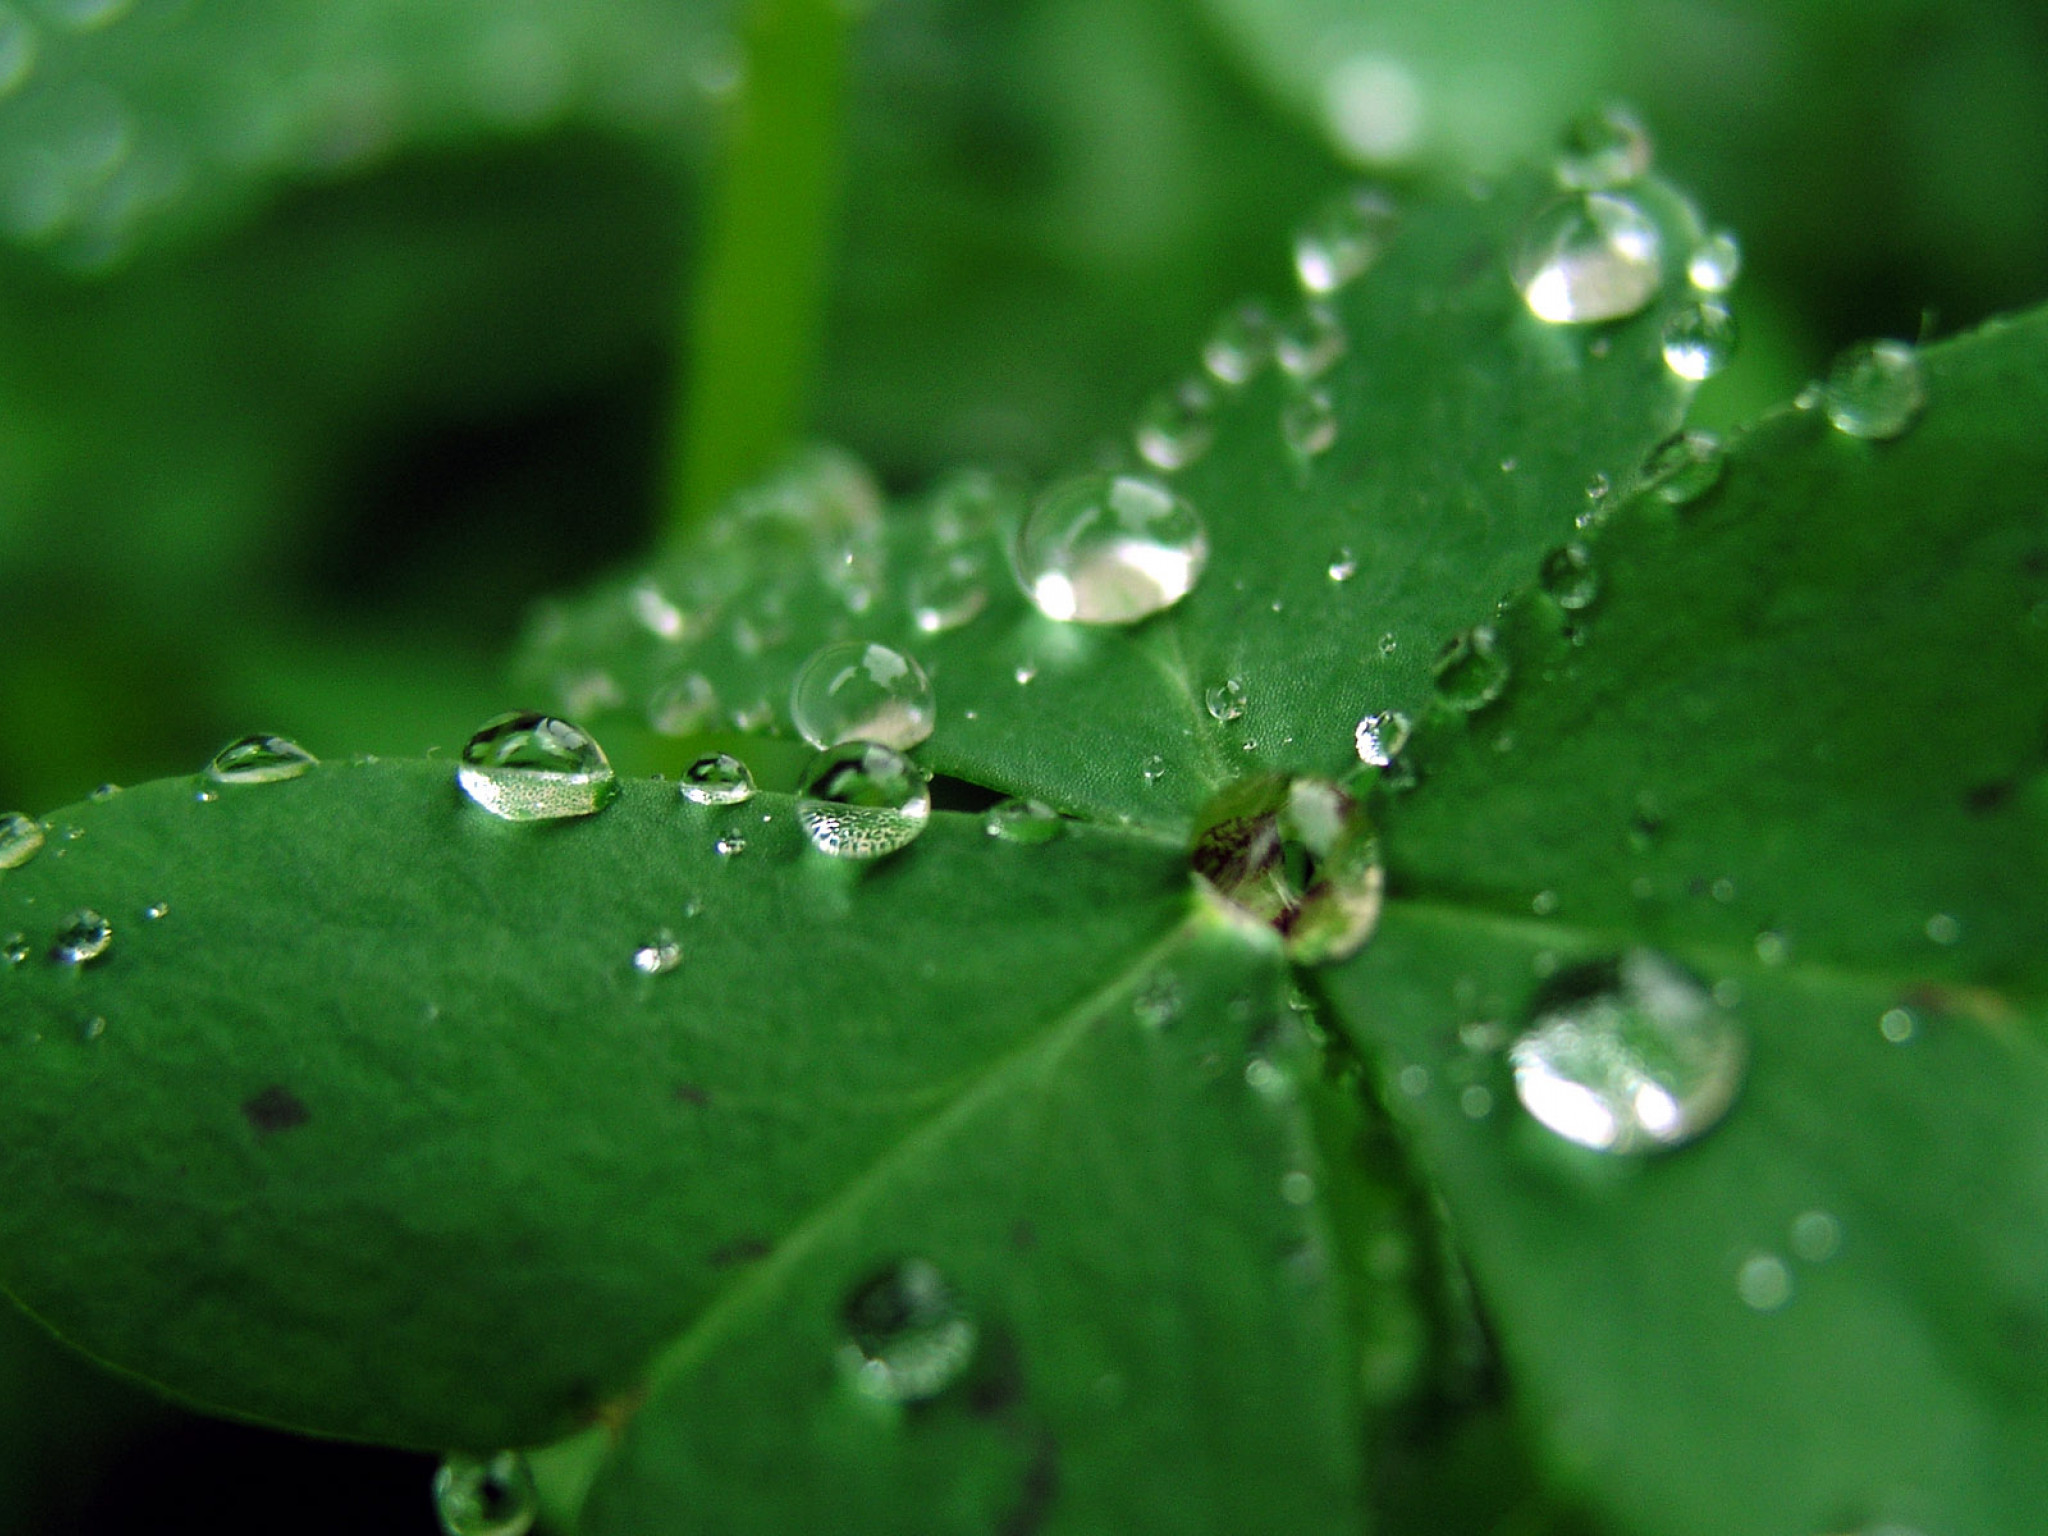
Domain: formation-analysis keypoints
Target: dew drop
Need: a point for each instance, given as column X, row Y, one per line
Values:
column 1380, row 737
column 1476, row 1100
column 730, row 845
column 1297, row 1187
column 1715, row 263
column 1308, row 423
column 1029, row 823
column 103, row 793
column 1772, row 947
column 1343, row 565
column 15, row 948
column 862, row 800
column 1944, row 929
column 1372, row 108
column 1389, row 644
column 1177, row 425
column 1588, row 258
column 1241, row 344
column 1225, row 701
column 1896, row 1025
column 1763, row 1282
column 1470, row 671
column 1310, row 344
column 260, row 760
column 1628, row 1056
column 659, row 955
column 855, row 691
column 1153, row 768
column 949, row 592
column 1683, row 468
column 1158, row 1004
column 682, row 705
column 1342, row 239
column 1298, row 855
column 966, row 507
column 157, row 911
column 486, row 1495
column 1110, row 549
column 21, row 839
column 655, row 612
column 1815, row 1236
column 1875, row 390
column 1602, row 150
column 531, row 767
column 717, row 778
column 1569, row 577
column 82, row 938
column 1699, row 340
column 907, row 1338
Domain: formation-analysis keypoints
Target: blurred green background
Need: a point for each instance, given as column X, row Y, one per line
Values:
column 331, row 337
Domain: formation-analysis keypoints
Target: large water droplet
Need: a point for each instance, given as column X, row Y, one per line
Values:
column 907, row 1338
column 854, row 691
column 1031, row 823
column 486, row 1495
column 1110, row 549
column 82, row 938
column 861, row 800
column 1570, row 578
column 1177, row 425
column 718, row 778
column 529, row 767
column 1875, row 390
column 1310, row 344
column 1683, row 468
column 1470, row 671
column 1715, row 263
column 1342, row 239
column 1308, row 423
column 1587, row 259
column 949, row 591
column 260, row 760
column 21, row 839
column 1604, row 149
column 1240, row 345
column 1297, row 854
column 1628, row 1056
column 1380, row 737
column 1698, row 340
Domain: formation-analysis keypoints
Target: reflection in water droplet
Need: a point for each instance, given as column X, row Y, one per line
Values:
column 1628, row 1056
column 949, row 591
column 1683, row 468
column 1296, row 854
column 1699, row 340
column 1815, row 1236
column 1110, row 549
column 82, row 937
column 1225, row 701
column 531, row 767
column 853, row 691
column 862, row 800
column 1470, row 671
column 1177, row 425
column 1308, row 423
column 260, row 760
column 1241, row 344
column 1380, row 737
column 1343, row 565
column 1342, row 239
column 485, row 1495
column 1715, row 263
column 1602, row 150
column 1763, row 1282
column 659, row 955
column 1569, row 577
column 907, row 1338
column 21, row 839
column 1031, row 823
column 1309, row 344
column 1876, row 390
column 1587, row 259
column 718, row 778
column 683, row 705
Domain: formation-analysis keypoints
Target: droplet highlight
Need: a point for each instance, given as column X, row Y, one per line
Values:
column 855, row 691
column 260, row 760
column 1308, row 424
column 1699, row 340
column 1241, row 345
column 1380, row 737
column 661, row 954
column 863, row 800
column 1225, row 701
column 531, row 767
column 1715, row 262
column 1570, row 578
column 1588, row 259
column 1110, row 549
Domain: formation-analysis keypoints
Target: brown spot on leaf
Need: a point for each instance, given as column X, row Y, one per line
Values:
column 276, row 1109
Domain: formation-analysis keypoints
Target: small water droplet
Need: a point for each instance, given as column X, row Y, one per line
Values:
column 1876, row 390
column 1024, row 674
column 1308, row 423
column 655, row 612
column 1241, row 344
column 21, row 839
column 1815, row 1236
column 1158, row 1003
column 1698, row 340
column 1299, row 855
column 1153, row 768
column 103, row 793
column 1470, row 671
column 1722, row 890
column 659, row 955
column 1715, row 263
column 1296, row 1187
column 754, row 717
column 1310, row 344
column 1388, row 644
column 260, row 760
column 530, row 767
column 1177, row 425
column 1543, row 903
column 1944, row 929
column 862, row 800
column 907, row 1337
column 156, row 911
column 949, row 592
column 205, row 796
column 717, row 778
column 82, row 938
column 15, row 948
column 1110, row 549
column 1763, row 1282
column 1603, row 150
column 1586, row 259
column 1772, row 947
column 682, row 705
column 1683, row 468
column 1413, row 1080
column 1896, row 1025
column 1476, row 1100
column 730, row 845
column 1342, row 239
column 1569, row 577
column 1343, row 564
column 1225, row 701
column 485, row 1495
column 1628, row 1056
column 853, row 691
column 1380, row 737
column 1031, row 823
column 92, row 1028
column 1372, row 108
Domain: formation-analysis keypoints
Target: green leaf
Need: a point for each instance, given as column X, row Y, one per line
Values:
column 1799, row 749
column 1468, row 433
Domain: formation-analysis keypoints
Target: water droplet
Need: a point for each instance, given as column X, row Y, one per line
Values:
column 1110, row 549
column 156, row 911
column 1413, row 1080
column 655, row 612
column 1699, row 340
column 1476, row 1100
column 730, row 845
column 1944, row 929
column 1298, row 855
column 1896, row 1025
column 1763, row 1282
column 1153, row 768
column 682, row 705
column 1309, row 344
column 486, row 1495
column 1628, row 1056
column 82, row 938
column 1815, row 1236
column 1602, row 150
column 1543, row 903
column 260, row 760
column 1343, row 565
column 1177, row 425
column 853, row 691
column 205, row 796
column 718, row 778
column 1297, row 1187
column 1587, row 259
column 966, row 506
column 659, row 955
column 949, row 592
column 19, row 46
column 1372, row 108
column 1569, row 577
column 1158, row 1003
column 529, row 767
column 1715, row 263
column 1308, row 423
column 21, row 839
column 1241, row 344
column 1772, row 947
column 1380, row 737
column 1225, row 701
column 1470, row 671
column 1683, row 468
column 103, row 792
column 15, row 948
column 1388, row 644
column 907, row 1337
column 1031, row 823
column 757, row 716
column 1342, row 239
column 1875, row 390
column 862, row 799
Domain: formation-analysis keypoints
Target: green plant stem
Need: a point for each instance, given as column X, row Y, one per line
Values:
column 753, row 316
